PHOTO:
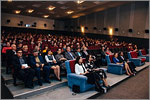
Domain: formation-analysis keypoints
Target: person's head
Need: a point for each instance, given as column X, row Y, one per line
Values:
column 8, row 44
column 121, row 53
column 19, row 53
column 107, row 48
column 79, row 60
column 49, row 52
column 59, row 51
column 89, row 58
column 13, row 46
column 84, row 48
column 68, row 49
column 25, row 47
column 116, row 55
column 78, row 50
column 46, row 47
column 103, row 48
column 35, row 53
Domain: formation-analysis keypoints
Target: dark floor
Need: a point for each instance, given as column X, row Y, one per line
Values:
column 136, row 87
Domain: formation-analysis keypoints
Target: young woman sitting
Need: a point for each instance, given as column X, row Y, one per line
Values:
column 126, row 66
column 90, row 65
column 52, row 62
column 93, row 77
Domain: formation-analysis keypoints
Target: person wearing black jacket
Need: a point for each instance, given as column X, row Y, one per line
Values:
column 22, row 70
column 130, row 63
column 103, row 56
column 90, row 65
column 9, row 57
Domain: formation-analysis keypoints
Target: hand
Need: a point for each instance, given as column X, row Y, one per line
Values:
column 42, row 65
column 37, row 65
column 54, row 61
column 86, row 72
column 29, row 67
column 23, row 67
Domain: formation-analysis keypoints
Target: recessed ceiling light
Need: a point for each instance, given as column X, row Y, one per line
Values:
column 46, row 16
column 9, row 0
column 51, row 7
column 61, row 2
column 79, row 1
column 69, row 12
column 30, row 10
column 17, row 11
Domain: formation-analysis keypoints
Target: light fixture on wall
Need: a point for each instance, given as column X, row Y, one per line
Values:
column 82, row 29
column 46, row 16
column 110, row 31
column 17, row 11
column 30, row 10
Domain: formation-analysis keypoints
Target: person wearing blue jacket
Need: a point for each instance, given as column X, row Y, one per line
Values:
column 126, row 66
column 37, row 62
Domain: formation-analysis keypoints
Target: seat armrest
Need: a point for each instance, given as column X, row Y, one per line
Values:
column 76, row 76
column 116, row 65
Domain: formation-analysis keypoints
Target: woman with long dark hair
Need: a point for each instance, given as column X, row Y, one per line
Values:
column 126, row 66
column 93, row 77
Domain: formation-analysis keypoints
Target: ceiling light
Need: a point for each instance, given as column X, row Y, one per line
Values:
column 80, row 1
column 51, row 7
column 30, row 10
column 69, row 12
column 17, row 11
column 46, row 16
column 9, row 0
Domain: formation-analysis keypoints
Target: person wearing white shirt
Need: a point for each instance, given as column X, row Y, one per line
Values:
column 92, row 77
column 50, row 59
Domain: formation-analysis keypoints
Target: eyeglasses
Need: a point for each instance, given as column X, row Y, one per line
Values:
column 19, row 52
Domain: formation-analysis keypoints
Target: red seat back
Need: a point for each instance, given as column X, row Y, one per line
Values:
column 134, row 54
column 143, row 59
column 111, row 58
column 143, row 52
column 72, row 66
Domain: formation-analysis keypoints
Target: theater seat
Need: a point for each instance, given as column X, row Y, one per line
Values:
column 142, row 53
column 75, row 79
column 138, row 61
column 114, row 68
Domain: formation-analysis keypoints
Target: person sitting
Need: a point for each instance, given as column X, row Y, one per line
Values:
column 54, row 65
column 45, row 49
column 7, row 47
column 69, row 55
column 130, row 63
column 9, row 56
column 93, row 78
column 103, row 56
column 90, row 65
column 22, row 70
column 126, row 66
column 60, row 59
column 78, row 53
column 37, row 63
column 84, row 52
column 108, row 52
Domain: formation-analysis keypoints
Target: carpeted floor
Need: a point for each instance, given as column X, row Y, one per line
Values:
column 136, row 87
